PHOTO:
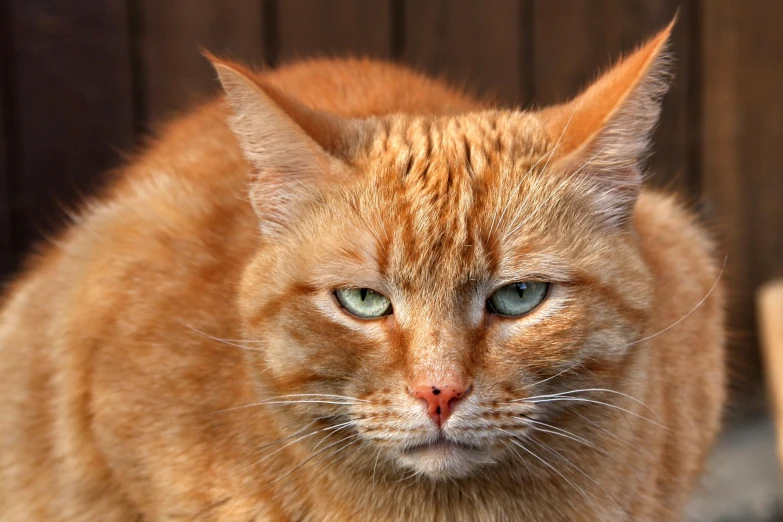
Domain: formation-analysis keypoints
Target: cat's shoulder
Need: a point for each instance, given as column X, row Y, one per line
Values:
column 668, row 214
column 674, row 238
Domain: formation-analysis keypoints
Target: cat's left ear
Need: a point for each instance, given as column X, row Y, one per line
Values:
column 605, row 132
column 294, row 151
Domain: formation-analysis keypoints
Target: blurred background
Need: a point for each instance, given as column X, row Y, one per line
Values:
column 82, row 83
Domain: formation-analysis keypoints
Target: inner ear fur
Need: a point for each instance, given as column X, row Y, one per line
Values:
column 606, row 130
column 292, row 149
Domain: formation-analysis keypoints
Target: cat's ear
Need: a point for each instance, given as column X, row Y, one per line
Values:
column 605, row 132
column 292, row 150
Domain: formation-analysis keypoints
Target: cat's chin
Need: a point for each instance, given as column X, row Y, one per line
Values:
column 443, row 459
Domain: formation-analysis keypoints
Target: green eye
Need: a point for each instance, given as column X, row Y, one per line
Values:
column 517, row 298
column 363, row 302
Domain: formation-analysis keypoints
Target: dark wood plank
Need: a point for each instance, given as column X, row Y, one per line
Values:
column 472, row 43
column 742, row 155
column 172, row 36
column 575, row 39
column 309, row 28
column 5, row 170
column 73, row 102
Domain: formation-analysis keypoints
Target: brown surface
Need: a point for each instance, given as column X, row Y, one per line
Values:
column 172, row 34
column 5, row 171
column 328, row 28
column 742, row 154
column 73, row 101
column 470, row 45
column 574, row 39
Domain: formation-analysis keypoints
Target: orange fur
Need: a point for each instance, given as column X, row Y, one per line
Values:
column 155, row 357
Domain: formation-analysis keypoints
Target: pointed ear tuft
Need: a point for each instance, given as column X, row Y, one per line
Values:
column 606, row 130
column 292, row 149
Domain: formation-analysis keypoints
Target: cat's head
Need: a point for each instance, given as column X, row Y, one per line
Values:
column 424, row 281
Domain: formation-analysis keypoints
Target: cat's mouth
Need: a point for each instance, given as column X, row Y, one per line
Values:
column 444, row 458
column 440, row 445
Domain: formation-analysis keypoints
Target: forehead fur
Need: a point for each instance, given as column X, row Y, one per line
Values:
column 458, row 197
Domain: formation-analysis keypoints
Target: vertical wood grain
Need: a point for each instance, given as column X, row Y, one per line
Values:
column 742, row 154
column 5, row 167
column 472, row 43
column 308, row 28
column 576, row 39
column 73, row 102
column 173, row 34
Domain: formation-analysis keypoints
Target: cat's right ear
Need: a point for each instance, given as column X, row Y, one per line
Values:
column 605, row 131
column 292, row 149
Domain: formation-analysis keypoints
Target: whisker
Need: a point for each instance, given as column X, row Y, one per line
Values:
column 614, row 436
column 408, row 476
column 564, row 183
column 609, row 405
column 270, row 399
column 714, row 285
column 309, row 401
column 218, row 339
column 471, row 497
column 264, row 403
column 547, row 155
column 562, row 432
column 288, row 437
column 548, row 465
column 542, row 381
column 310, row 458
column 519, row 457
column 577, row 468
column 334, row 428
column 334, row 462
column 348, row 397
column 375, row 466
column 338, row 427
column 585, row 390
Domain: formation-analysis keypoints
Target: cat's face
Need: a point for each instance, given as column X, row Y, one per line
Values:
column 427, row 284
column 441, row 215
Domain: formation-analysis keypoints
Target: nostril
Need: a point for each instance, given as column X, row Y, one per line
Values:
column 458, row 396
column 440, row 399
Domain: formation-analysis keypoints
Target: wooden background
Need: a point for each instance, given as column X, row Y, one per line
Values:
column 83, row 81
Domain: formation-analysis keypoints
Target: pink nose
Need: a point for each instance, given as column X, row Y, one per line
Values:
column 441, row 399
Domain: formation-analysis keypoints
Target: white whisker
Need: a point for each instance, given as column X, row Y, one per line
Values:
column 564, row 183
column 591, row 401
column 347, row 397
column 577, row 468
column 585, row 390
column 714, row 285
column 548, row 465
column 560, row 431
column 333, row 429
column 542, row 381
column 218, row 339
column 375, row 466
column 311, row 457
column 271, row 402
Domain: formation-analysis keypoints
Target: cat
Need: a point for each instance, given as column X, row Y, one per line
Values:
column 345, row 291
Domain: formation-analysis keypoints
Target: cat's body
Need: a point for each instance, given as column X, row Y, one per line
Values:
column 126, row 344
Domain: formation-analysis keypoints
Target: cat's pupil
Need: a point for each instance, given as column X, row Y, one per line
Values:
column 363, row 293
column 521, row 287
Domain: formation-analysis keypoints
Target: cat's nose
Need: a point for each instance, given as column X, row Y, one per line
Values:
column 441, row 398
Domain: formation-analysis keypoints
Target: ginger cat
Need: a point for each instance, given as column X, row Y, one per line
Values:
column 349, row 292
